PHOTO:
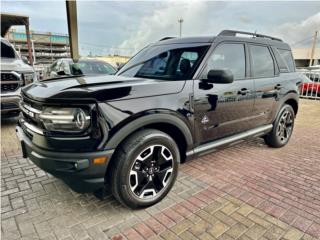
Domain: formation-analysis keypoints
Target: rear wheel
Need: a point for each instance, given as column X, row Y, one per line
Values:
column 282, row 128
column 145, row 168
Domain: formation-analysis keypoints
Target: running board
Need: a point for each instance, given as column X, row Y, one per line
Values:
column 209, row 147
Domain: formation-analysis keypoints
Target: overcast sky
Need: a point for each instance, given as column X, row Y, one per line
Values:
column 124, row 27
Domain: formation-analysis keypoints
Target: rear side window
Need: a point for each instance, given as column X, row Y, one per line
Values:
column 262, row 62
column 287, row 58
column 231, row 57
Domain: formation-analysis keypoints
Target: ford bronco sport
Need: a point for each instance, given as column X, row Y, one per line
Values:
column 175, row 100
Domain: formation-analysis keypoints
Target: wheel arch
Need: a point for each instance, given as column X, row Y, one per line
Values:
column 171, row 124
column 292, row 99
column 293, row 103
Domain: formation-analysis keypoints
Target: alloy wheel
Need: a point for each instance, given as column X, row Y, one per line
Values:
column 151, row 172
column 285, row 126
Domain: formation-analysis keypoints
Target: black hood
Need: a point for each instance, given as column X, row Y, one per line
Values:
column 100, row 88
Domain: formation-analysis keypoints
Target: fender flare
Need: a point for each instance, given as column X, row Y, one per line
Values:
column 154, row 118
column 290, row 95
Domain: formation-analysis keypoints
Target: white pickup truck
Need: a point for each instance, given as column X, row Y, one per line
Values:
column 15, row 73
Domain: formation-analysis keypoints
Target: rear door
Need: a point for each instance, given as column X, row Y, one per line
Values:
column 264, row 72
column 224, row 109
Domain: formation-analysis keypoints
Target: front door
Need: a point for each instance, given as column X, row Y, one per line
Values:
column 224, row 109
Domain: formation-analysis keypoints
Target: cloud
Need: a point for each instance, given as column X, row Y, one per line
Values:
column 163, row 22
column 244, row 19
column 45, row 16
column 299, row 34
column 124, row 27
column 209, row 18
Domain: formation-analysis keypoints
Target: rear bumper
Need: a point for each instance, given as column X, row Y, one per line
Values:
column 10, row 102
column 75, row 169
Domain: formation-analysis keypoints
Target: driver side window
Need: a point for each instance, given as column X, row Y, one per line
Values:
column 156, row 65
column 229, row 56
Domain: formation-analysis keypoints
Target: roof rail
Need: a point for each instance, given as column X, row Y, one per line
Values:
column 234, row 33
column 165, row 38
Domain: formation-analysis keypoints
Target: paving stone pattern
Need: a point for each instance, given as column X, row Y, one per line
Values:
column 249, row 191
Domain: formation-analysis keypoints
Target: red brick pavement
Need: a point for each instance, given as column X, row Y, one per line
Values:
column 248, row 191
column 282, row 183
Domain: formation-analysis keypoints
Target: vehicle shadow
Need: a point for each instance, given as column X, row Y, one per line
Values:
column 9, row 119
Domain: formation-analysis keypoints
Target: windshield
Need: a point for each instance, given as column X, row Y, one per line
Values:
column 7, row 51
column 91, row 67
column 168, row 62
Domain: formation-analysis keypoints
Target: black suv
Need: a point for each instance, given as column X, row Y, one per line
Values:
column 175, row 100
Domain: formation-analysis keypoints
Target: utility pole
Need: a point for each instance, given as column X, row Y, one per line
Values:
column 180, row 21
column 33, row 52
column 51, row 47
column 28, row 42
column 73, row 29
column 313, row 48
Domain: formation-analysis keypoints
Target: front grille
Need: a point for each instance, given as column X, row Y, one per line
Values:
column 10, row 82
column 9, row 77
column 30, row 115
column 9, row 87
column 30, row 102
column 8, row 106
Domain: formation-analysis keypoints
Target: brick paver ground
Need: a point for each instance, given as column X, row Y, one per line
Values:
column 248, row 191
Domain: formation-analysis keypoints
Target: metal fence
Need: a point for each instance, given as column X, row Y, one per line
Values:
column 311, row 84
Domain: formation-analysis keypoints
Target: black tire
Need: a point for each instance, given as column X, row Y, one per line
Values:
column 282, row 128
column 160, row 154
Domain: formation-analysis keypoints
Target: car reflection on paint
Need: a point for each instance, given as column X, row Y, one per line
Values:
column 67, row 67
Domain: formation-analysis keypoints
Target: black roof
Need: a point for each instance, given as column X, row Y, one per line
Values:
column 170, row 40
column 228, row 35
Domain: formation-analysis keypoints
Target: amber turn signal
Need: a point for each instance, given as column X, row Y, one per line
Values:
column 99, row 160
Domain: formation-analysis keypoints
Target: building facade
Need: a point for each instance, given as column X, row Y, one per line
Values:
column 46, row 47
column 302, row 57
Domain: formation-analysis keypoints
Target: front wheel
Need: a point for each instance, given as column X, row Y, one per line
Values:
column 145, row 168
column 282, row 128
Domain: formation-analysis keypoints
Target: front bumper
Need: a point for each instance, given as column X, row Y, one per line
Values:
column 10, row 102
column 75, row 169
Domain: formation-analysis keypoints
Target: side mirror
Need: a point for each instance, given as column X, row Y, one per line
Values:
column 219, row 76
column 25, row 59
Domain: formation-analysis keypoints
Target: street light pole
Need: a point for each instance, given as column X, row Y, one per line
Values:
column 180, row 21
column 313, row 48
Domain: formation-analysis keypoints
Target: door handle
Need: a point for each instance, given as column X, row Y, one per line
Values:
column 278, row 87
column 243, row 91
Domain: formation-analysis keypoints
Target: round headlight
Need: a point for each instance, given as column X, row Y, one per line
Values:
column 81, row 119
column 65, row 119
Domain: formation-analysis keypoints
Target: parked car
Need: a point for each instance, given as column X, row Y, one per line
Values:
column 310, row 88
column 175, row 100
column 15, row 73
column 66, row 67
